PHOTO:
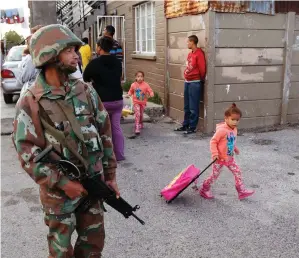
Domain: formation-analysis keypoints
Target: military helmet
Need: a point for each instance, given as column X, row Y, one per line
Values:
column 47, row 42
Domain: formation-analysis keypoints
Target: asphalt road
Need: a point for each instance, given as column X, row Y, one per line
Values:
column 265, row 225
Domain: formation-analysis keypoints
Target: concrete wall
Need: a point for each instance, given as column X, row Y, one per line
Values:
column 249, row 66
column 249, row 59
column 154, row 69
column 293, row 105
column 252, row 59
column 178, row 31
column 42, row 13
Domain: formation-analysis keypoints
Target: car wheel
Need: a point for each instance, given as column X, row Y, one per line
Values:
column 8, row 98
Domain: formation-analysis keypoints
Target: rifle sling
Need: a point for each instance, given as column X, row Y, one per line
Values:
column 61, row 137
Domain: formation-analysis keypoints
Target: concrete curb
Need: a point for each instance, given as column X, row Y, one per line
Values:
column 151, row 109
column 130, row 119
column 154, row 111
column 6, row 126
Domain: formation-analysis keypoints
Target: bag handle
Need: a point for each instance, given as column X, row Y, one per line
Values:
column 195, row 179
column 207, row 167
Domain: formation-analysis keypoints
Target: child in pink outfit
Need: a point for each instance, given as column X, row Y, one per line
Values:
column 223, row 147
column 140, row 91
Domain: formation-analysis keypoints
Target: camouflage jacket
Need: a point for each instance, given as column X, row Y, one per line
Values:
column 30, row 138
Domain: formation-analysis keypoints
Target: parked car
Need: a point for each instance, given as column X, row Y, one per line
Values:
column 9, row 73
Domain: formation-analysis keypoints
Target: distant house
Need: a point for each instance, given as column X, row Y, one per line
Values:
column 251, row 47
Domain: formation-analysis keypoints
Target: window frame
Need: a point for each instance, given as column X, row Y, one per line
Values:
column 141, row 23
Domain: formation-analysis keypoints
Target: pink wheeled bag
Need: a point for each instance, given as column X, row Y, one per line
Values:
column 181, row 182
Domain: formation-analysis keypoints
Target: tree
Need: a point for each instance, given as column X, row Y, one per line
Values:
column 12, row 39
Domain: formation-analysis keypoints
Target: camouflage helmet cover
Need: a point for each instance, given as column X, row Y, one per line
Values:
column 47, row 42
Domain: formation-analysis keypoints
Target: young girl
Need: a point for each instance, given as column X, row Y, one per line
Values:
column 223, row 147
column 140, row 91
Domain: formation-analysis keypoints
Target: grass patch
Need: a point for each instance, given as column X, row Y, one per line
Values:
column 127, row 86
column 156, row 99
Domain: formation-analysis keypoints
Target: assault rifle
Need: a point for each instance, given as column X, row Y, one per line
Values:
column 95, row 186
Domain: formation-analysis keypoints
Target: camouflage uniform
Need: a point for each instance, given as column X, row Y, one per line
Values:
column 30, row 137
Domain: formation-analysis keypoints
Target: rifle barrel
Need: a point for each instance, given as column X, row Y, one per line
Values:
column 140, row 220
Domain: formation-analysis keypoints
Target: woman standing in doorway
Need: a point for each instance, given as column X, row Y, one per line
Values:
column 105, row 74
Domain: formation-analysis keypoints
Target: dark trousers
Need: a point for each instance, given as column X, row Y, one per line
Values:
column 192, row 92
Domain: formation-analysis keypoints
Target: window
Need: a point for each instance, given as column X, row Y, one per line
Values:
column 145, row 28
column 15, row 54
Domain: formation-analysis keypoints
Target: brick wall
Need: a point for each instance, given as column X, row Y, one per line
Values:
column 154, row 69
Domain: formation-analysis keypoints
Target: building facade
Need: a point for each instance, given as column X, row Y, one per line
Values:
column 252, row 59
column 145, row 40
column 252, row 54
column 42, row 12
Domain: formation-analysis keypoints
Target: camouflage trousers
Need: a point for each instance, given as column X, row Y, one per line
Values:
column 90, row 229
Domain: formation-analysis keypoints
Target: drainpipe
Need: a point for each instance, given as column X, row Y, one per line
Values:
column 105, row 7
column 166, row 79
column 83, row 7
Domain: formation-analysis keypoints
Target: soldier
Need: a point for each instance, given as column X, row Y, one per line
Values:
column 56, row 101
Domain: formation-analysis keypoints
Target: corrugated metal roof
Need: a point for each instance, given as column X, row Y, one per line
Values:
column 265, row 7
column 286, row 6
column 176, row 8
column 228, row 6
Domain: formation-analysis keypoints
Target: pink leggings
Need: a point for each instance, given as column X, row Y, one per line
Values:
column 231, row 165
column 138, row 110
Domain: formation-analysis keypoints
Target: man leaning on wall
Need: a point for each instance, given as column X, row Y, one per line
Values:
column 194, row 74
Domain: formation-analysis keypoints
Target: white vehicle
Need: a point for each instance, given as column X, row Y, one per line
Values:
column 9, row 72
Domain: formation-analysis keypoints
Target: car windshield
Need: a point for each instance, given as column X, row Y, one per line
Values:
column 15, row 54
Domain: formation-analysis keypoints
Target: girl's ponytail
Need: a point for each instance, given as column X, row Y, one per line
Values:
column 233, row 109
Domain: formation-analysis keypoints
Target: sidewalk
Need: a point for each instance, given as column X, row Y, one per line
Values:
column 152, row 110
column 7, row 115
column 8, row 112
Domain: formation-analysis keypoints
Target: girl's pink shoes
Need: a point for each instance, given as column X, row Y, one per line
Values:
column 205, row 192
column 243, row 193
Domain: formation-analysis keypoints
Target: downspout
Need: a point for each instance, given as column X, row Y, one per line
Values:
column 83, row 8
column 166, row 79
column 105, row 7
